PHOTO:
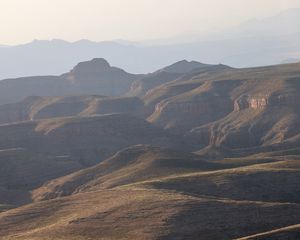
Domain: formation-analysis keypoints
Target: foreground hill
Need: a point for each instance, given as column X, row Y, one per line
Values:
column 134, row 164
column 257, row 182
column 143, row 214
column 103, row 204
column 37, row 151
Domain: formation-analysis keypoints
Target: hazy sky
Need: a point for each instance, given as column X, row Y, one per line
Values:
column 24, row 20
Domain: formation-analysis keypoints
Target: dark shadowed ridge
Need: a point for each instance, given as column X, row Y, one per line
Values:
column 92, row 77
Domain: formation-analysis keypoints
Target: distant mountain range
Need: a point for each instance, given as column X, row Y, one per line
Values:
column 257, row 42
column 191, row 150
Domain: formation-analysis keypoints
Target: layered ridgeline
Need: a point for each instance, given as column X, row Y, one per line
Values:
column 191, row 151
column 233, row 108
column 92, row 77
column 164, row 75
column 34, row 108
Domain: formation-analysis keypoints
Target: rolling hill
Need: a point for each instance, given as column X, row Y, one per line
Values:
column 35, row 152
column 162, row 207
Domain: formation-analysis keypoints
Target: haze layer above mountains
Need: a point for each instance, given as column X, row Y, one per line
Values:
column 255, row 43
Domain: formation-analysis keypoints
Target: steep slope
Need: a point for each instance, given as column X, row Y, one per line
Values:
column 92, row 77
column 140, row 87
column 34, row 108
column 232, row 107
column 264, row 114
column 179, row 86
column 98, row 77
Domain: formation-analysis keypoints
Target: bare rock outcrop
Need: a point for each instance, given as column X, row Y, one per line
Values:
column 253, row 102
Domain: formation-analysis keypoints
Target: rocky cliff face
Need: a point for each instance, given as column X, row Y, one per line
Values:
column 181, row 116
column 261, row 102
column 260, row 119
column 201, row 105
column 230, row 107
column 253, row 102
